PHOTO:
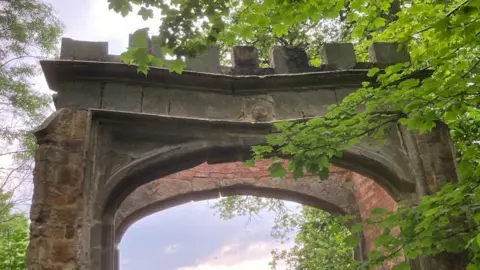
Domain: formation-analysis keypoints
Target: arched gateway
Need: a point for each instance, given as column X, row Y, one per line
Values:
column 116, row 130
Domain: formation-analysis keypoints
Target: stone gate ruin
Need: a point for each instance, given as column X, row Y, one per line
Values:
column 116, row 130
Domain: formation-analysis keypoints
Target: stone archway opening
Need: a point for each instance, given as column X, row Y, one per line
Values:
column 344, row 193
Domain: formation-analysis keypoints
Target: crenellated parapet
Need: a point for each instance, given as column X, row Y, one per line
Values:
column 245, row 60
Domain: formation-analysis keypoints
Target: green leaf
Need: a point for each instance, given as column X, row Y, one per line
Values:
column 410, row 83
column 146, row 13
column 277, row 170
column 246, row 32
column 401, row 266
column 250, row 163
column 280, row 29
column 253, row 18
column 379, row 211
column 316, row 62
column 373, row 71
column 127, row 57
column 382, row 239
column 324, row 173
column 356, row 228
column 157, row 62
column 393, row 68
column 140, row 38
column 379, row 22
column 263, row 21
column 352, row 240
column 473, row 266
column 176, row 66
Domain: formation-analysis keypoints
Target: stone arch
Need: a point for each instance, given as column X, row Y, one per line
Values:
column 379, row 164
column 214, row 142
column 344, row 192
column 334, row 195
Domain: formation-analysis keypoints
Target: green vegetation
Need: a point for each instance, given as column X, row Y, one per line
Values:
column 13, row 236
column 321, row 240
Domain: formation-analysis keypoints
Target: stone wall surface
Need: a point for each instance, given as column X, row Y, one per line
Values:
column 57, row 194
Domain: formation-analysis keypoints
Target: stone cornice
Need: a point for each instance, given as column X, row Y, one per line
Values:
column 58, row 71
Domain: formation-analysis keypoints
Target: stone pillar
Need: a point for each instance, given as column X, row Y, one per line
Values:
column 57, row 194
column 433, row 164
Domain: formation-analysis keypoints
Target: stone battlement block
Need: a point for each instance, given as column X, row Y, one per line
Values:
column 245, row 59
column 83, row 50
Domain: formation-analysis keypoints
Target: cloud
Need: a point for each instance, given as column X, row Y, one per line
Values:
column 92, row 20
column 252, row 256
column 170, row 249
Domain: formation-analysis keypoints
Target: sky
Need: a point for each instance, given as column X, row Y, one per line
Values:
column 192, row 237
column 187, row 237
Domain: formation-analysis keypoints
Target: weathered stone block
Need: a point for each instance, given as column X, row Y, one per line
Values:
column 288, row 106
column 51, row 154
column 156, row 100
column 79, row 95
column 208, row 62
column 340, row 55
column 342, row 93
column 303, row 104
column 288, row 59
column 83, row 50
column 122, row 97
column 113, row 58
column 64, row 215
column 259, row 108
column 63, row 250
column 39, row 253
column 388, row 53
column 204, row 105
column 68, row 176
column 245, row 57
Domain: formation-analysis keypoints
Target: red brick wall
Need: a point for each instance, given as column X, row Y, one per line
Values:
column 225, row 171
column 370, row 196
column 238, row 170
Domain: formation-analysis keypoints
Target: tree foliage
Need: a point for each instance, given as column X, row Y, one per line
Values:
column 442, row 37
column 29, row 31
column 320, row 240
column 13, row 235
